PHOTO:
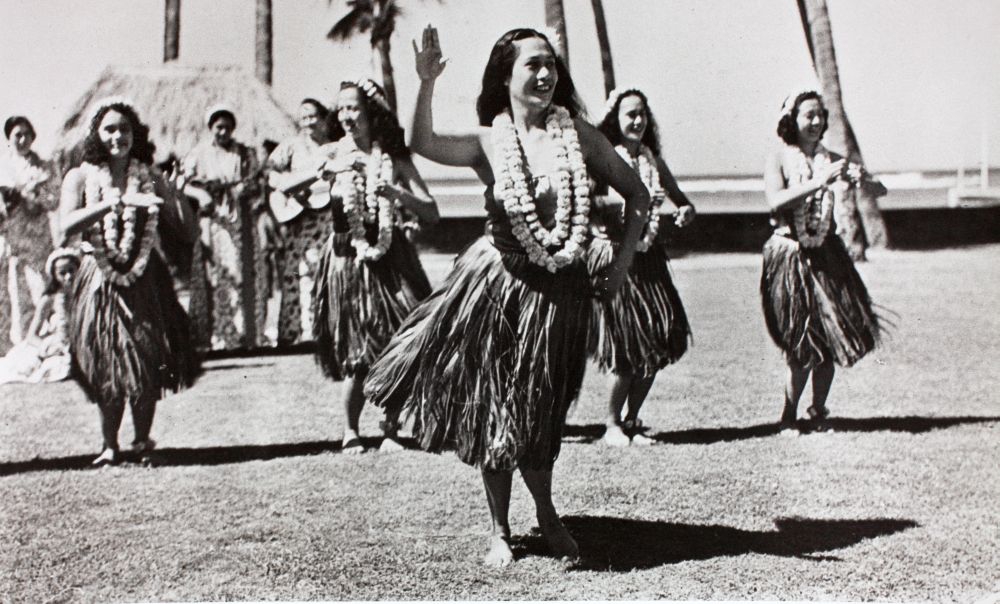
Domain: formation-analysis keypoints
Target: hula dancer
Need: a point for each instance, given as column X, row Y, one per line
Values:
column 644, row 328
column 369, row 276
column 816, row 307
column 490, row 363
column 129, row 336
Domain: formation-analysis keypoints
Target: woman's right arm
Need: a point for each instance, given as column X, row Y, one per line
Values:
column 74, row 219
column 780, row 196
column 450, row 150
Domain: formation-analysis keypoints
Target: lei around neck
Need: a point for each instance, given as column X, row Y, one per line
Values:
column 572, row 184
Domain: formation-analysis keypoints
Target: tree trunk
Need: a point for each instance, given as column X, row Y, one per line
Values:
column 862, row 225
column 607, row 66
column 263, row 49
column 171, row 30
column 555, row 17
column 385, row 64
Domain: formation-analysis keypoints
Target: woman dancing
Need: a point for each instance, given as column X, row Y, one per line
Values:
column 306, row 221
column 369, row 276
column 644, row 328
column 228, row 278
column 816, row 307
column 129, row 337
column 491, row 362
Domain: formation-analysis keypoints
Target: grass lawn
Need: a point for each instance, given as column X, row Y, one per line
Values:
column 251, row 499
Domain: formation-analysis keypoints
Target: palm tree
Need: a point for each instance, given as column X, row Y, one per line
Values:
column 379, row 18
column 171, row 30
column 607, row 66
column 863, row 224
column 263, row 50
column 555, row 17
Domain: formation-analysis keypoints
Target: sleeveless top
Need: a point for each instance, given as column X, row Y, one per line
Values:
column 498, row 223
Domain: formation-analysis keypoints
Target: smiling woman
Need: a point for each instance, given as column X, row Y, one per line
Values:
column 490, row 363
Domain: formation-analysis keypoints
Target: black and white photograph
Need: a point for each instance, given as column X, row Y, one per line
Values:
column 499, row 300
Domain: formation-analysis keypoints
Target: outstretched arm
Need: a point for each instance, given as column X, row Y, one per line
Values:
column 607, row 166
column 451, row 150
column 412, row 192
column 685, row 209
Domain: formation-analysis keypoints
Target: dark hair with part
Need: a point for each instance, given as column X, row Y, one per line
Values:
column 321, row 111
column 94, row 152
column 383, row 126
column 788, row 130
column 18, row 120
column 611, row 129
column 495, row 97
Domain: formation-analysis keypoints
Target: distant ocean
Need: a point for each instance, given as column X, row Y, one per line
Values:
column 743, row 193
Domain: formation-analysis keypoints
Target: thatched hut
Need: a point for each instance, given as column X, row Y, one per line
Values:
column 172, row 99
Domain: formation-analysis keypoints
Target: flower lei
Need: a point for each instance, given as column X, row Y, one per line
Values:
column 813, row 216
column 375, row 209
column 572, row 216
column 116, row 244
column 645, row 165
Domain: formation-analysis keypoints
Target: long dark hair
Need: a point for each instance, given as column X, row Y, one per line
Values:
column 788, row 130
column 94, row 152
column 383, row 126
column 610, row 127
column 495, row 97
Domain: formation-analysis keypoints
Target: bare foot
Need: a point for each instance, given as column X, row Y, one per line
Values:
column 561, row 543
column 614, row 437
column 499, row 555
column 641, row 440
column 390, row 445
column 351, row 444
column 108, row 457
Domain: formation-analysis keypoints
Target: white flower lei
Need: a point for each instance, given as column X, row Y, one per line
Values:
column 645, row 165
column 572, row 216
column 376, row 209
column 115, row 245
column 813, row 216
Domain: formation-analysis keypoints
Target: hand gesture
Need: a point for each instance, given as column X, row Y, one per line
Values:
column 429, row 61
column 833, row 172
column 388, row 190
column 684, row 216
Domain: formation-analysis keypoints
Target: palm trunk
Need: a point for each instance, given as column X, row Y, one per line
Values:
column 607, row 66
column 263, row 48
column 171, row 30
column 555, row 17
column 862, row 225
column 385, row 64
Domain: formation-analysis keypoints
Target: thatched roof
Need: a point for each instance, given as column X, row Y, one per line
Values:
column 172, row 100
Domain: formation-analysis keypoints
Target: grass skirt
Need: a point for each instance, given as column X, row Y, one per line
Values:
column 357, row 307
column 490, row 363
column 129, row 343
column 816, row 307
column 644, row 327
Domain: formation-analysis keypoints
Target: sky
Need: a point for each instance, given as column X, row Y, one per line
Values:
column 919, row 77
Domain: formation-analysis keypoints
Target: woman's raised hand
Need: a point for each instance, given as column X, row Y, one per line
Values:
column 429, row 61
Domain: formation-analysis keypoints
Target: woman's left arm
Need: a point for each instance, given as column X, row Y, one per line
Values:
column 412, row 192
column 175, row 209
column 606, row 165
column 685, row 209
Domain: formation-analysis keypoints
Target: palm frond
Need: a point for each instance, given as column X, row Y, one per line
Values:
column 358, row 20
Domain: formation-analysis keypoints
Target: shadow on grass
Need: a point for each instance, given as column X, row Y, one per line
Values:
column 234, row 366
column 202, row 456
column 621, row 545
column 591, row 433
